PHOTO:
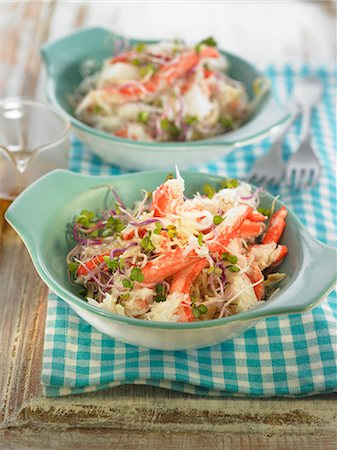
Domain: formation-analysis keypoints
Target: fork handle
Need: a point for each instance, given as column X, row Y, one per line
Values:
column 281, row 134
column 306, row 123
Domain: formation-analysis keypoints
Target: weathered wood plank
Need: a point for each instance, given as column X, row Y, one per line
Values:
column 94, row 439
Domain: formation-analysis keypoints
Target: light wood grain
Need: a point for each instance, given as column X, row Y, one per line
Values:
column 133, row 417
column 93, row 439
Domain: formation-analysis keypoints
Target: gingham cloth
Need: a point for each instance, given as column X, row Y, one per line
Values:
column 294, row 355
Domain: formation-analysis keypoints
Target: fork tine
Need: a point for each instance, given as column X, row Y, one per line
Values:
column 297, row 178
column 315, row 178
column 306, row 178
column 289, row 177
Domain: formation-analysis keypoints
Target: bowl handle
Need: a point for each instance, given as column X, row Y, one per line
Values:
column 75, row 48
column 316, row 279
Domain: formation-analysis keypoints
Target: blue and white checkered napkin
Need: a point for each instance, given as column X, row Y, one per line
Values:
column 294, row 355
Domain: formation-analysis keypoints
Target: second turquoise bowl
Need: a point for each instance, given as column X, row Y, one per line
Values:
column 68, row 58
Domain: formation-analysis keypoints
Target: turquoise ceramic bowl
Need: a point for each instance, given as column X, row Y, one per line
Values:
column 41, row 214
column 68, row 58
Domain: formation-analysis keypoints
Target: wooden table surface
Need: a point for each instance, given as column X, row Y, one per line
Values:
column 133, row 417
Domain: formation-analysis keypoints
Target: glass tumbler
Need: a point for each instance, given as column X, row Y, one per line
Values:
column 34, row 139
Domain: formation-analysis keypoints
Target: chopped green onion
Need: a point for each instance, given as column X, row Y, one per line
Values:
column 136, row 274
column 200, row 238
column 264, row 211
column 158, row 228
column 226, row 256
column 202, row 309
column 94, row 234
column 230, row 183
column 233, row 268
column 209, row 190
column 143, row 116
column 217, row 220
column 136, row 62
column 125, row 296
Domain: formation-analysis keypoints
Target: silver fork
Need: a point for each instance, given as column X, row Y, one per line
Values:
column 304, row 168
column 270, row 168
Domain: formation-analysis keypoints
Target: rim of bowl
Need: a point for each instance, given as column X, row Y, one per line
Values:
column 43, row 105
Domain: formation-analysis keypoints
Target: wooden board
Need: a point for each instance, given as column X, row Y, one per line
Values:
column 132, row 417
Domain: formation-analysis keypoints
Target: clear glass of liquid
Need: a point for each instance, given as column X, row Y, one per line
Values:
column 34, row 139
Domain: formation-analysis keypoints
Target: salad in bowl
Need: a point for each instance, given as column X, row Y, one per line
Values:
column 166, row 91
column 145, row 104
column 48, row 213
column 179, row 259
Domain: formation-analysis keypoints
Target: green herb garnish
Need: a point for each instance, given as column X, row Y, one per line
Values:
column 226, row 256
column 215, row 270
column 136, row 62
column 143, row 116
column 200, row 238
column 96, row 109
column 230, row 183
column 226, row 122
column 172, row 231
column 209, row 190
column 127, row 283
column 146, row 243
column 140, row 47
column 170, row 127
column 190, row 120
column 264, row 211
column 196, row 312
column 86, row 218
column 202, row 309
column 217, row 220
column 209, row 41
column 72, row 267
column 112, row 264
column 113, row 226
column 160, row 290
column 233, row 268
column 158, row 228
column 136, row 274
column 149, row 68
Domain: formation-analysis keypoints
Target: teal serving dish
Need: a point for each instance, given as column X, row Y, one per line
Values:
column 41, row 216
column 68, row 59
